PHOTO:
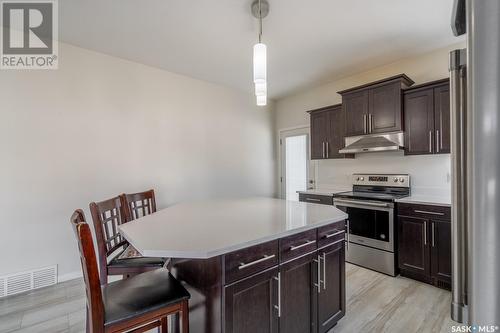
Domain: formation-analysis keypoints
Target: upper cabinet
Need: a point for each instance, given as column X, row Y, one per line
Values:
column 427, row 118
column 327, row 132
column 375, row 107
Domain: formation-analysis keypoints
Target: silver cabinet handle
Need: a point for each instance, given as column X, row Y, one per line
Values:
column 264, row 258
column 432, row 235
column 334, row 234
column 370, row 123
column 430, row 141
column 278, row 307
column 293, row 248
column 427, row 212
column 323, row 149
column 313, row 199
column 425, row 232
column 364, row 123
column 327, row 149
column 437, row 141
column 324, row 271
column 318, row 284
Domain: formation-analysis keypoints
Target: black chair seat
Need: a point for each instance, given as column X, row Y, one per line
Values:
column 140, row 294
column 137, row 262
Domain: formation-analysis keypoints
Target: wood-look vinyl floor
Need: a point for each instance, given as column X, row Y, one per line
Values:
column 375, row 303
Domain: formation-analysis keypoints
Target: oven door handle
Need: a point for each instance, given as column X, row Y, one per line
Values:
column 363, row 203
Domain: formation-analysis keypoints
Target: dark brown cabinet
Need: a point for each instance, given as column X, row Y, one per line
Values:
column 385, row 109
column 424, row 243
column 375, row 107
column 331, row 296
column 355, row 107
column 427, row 118
column 441, row 252
column 251, row 304
column 327, row 132
column 298, row 295
column 319, row 134
column 302, row 291
column 413, row 247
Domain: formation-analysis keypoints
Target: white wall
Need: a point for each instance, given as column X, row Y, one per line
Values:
column 100, row 126
column 429, row 173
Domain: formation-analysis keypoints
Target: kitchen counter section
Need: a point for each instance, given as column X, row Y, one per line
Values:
column 427, row 200
column 202, row 230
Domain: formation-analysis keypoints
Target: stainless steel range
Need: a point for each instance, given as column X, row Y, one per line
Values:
column 371, row 229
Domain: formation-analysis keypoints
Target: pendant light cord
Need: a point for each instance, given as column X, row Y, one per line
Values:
column 260, row 23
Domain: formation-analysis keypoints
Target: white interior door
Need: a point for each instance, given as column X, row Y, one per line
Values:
column 295, row 162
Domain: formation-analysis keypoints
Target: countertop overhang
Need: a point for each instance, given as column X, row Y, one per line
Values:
column 202, row 230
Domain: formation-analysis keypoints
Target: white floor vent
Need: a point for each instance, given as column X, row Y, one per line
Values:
column 21, row 282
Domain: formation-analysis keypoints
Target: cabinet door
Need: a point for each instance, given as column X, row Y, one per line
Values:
column 419, row 122
column 441, row 253
column 298, row 295
column 442, row 119
column 385, row 112
column 413, row 242
column 355, row 107
column 319, row 134
column 336, row 122
column 331, row 297
column 249, row 305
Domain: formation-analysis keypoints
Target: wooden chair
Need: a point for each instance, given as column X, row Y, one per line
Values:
column 140, row 204
column 137, row 304
column 107, row 215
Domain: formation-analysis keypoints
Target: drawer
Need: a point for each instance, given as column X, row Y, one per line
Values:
column 331, row 233
column 245, row 262
column 297, row 245
column 425, row 211
column 315, row 198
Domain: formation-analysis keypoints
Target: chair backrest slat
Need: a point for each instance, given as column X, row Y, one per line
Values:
column 107, row 216
column 139, row 204
column 95, row 306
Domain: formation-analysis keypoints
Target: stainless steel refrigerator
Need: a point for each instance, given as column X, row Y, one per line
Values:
column 475, row 159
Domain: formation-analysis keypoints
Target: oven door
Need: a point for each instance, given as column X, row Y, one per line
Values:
column 370, row 223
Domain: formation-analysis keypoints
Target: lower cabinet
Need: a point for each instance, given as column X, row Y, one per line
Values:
column 303, row 294
column 331, row 294
column 298, row 295
column 424, row 242
column 251, row 304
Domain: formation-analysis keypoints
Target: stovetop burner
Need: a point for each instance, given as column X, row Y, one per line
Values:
column 371, row 195
column 386, row 187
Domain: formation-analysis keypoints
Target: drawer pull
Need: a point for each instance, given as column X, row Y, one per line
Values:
column 333, row 234
column 293, row 248
column 312, row 199
column 427, row 212
column 264, row 258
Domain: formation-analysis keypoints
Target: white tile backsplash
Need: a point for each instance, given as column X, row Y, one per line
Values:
column 430, row 174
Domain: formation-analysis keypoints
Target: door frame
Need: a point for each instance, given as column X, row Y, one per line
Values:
column 281, row 155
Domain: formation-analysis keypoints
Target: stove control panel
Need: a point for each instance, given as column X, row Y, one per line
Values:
column 394, row 180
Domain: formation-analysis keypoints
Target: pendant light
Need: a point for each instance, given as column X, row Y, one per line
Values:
column 260, row 9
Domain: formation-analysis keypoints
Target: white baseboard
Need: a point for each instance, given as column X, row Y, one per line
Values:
column 69, row 276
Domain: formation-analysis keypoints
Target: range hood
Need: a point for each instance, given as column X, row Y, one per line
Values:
column 373, row 143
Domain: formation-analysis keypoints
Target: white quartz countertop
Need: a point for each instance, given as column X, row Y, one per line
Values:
column 325, row 191
column 427, row 200
column 201, row 230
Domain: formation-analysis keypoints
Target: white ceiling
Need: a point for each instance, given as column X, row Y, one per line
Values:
column 309, row 41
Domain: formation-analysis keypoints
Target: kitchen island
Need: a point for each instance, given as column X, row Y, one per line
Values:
column 253, row 264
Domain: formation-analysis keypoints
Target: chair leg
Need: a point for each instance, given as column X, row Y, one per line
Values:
column 87, row 322
column 185, row 317
column 164, row 325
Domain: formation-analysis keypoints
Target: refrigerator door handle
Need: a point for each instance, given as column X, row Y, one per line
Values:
column 459, row 185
